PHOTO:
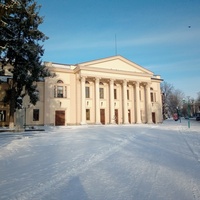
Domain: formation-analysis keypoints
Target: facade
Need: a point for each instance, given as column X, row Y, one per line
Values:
column 113, row 90
column 4, row 108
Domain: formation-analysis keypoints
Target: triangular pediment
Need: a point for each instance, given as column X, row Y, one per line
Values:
column 116, row 63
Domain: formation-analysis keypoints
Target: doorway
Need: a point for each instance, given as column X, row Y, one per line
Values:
column 102, row 116
column 116, row 116
column 60, row 118
column 129, row 116
column 154, row 117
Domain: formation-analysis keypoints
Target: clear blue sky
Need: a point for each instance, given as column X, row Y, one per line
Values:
column 160, row 35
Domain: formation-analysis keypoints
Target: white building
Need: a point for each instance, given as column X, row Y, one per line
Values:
column 104, row 91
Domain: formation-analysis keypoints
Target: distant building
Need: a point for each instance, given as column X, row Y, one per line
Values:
column 105, row 91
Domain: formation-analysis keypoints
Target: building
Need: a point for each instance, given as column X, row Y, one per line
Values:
column 105, row 91
column 4, row 108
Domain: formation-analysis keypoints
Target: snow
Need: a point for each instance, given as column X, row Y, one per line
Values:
column 112, row 162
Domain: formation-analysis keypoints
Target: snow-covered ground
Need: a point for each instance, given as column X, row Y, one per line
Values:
column 127, row 162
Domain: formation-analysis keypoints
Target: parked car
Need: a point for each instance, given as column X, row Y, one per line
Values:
column 175, row 117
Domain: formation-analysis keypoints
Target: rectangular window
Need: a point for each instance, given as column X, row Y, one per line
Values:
column 87, row 92
column 65, row 91
column 115, row 93
column 60, row 92
column 36, row 115
column 128, row 94
column 2, row 115
column 55, row 92
column 87, row 114
column 140, row 96
column 153, row 97
column 101, row 93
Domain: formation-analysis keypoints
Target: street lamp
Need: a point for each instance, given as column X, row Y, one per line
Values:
column 188, row 110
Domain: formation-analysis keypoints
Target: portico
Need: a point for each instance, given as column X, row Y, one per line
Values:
column 119, row 94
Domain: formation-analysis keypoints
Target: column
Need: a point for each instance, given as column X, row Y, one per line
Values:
column 112, row 111
column 97, row 109
column 83, row 108
column 138, row 114
column 125, row 110
column 148, row 104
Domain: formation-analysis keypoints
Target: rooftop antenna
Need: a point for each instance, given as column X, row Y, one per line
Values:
column 115, row 44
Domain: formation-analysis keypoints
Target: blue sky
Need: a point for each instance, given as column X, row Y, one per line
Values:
column 160, row 35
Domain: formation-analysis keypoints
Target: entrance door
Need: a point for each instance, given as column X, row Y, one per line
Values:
column 154, row 117
column 102, row 116
column 116, row 116
column 60, row 118
column 129, row 116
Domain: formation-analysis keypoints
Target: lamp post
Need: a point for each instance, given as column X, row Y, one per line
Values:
column 188, row 110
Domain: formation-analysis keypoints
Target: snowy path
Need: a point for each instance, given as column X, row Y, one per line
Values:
column 136, row 162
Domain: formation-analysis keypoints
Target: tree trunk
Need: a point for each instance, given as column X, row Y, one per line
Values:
column 12, row 109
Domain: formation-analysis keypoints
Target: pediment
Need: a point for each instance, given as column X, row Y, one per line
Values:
column 116, row 63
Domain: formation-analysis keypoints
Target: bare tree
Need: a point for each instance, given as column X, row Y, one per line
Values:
column 197, row 103
column 172, row 99
column 176, row 100
column 167, row 90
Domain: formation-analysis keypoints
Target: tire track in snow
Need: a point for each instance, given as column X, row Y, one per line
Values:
column 40, row 190
column 13, row 147
column 195, row 187
column 196, row 156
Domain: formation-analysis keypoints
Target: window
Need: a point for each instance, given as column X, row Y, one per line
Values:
column 153, row 97
column 87, row 114
column 2, row 115
column 36, row 115
column 128, row 94
column 87, row 92
column 115, row 93
column 101, row 93
column 60, row 91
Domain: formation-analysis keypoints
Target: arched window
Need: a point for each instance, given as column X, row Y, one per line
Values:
column 60, row 90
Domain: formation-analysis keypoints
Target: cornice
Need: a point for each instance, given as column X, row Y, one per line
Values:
column 111, row 71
